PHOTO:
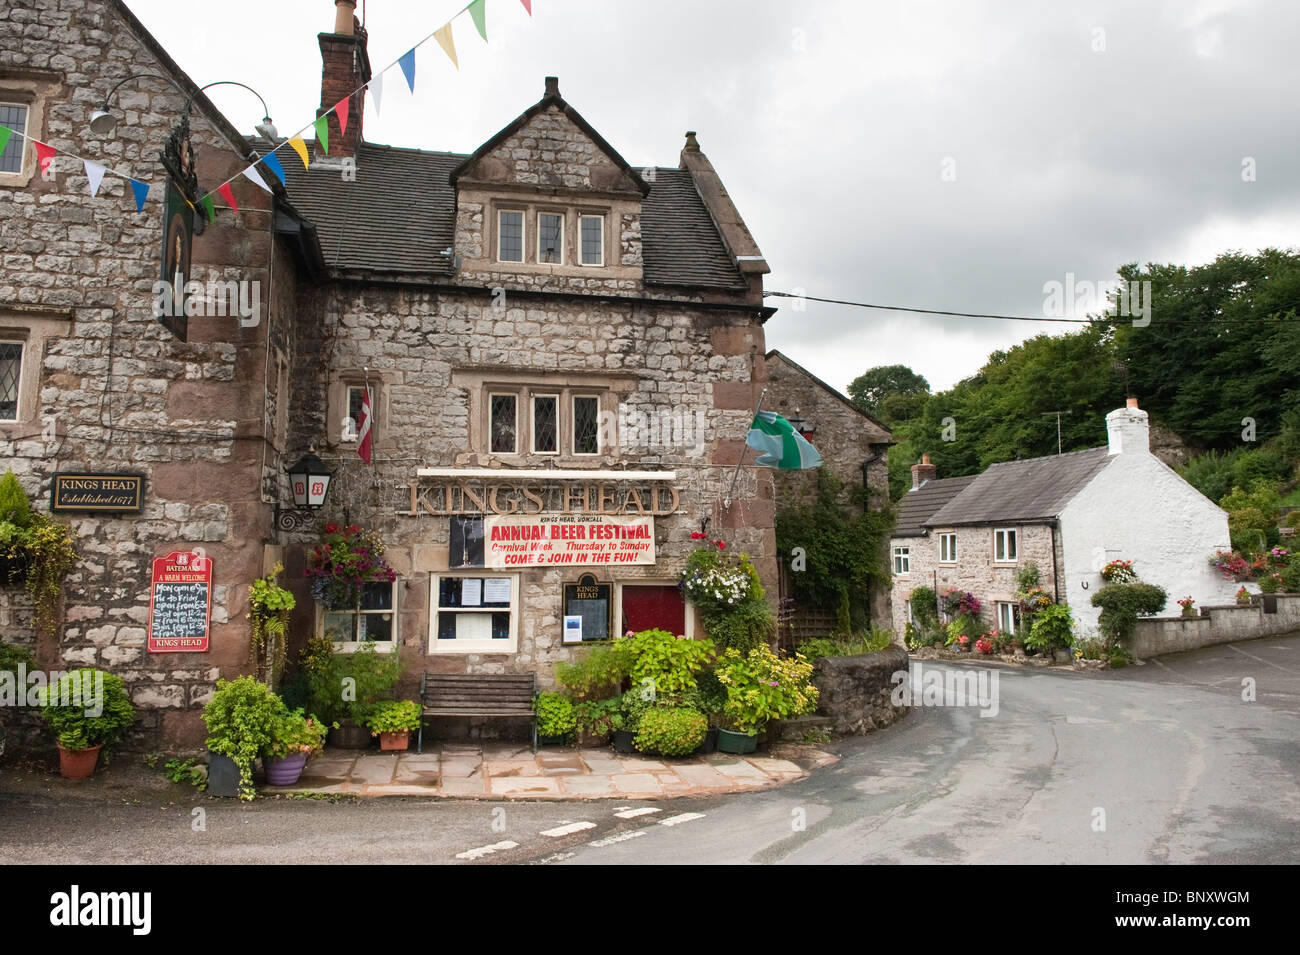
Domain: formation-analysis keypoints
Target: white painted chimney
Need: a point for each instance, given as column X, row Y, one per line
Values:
column 1129, row 430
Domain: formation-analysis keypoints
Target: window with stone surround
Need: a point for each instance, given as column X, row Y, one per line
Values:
column 14, row 116
column 543, row 419
column 586, row 424
column 1004, row 545
column 591, row 240
column 11, row 365
column 948, row 548
column 503, row 423
column 550, row 238
column 902, row 560
column 510, row 235
column 546, row 424
column 374, row 620
column 474, row 613
column 1008, row 617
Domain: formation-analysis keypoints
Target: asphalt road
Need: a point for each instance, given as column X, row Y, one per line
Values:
column 1162, row 763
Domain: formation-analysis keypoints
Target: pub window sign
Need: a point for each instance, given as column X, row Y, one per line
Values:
column 587, row 608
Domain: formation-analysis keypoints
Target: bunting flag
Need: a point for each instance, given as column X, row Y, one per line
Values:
column 44, row 153
column 141, row 190
column 407, row 62
column 478, row 13
column 225, row 192
column 528, row 5
column 443, row 36
column 377, row 89
column 781, row 445
column 323, row 131
column 5, row 133
column 363, row 445
column 341, row 110
column 256, row 177
column 273, row 164
column 301, row 149
column 94, row 172
column 208, row 210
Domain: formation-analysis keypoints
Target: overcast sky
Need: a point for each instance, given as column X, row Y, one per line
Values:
column 952, row 155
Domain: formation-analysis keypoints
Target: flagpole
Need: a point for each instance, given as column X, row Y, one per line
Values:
column 726, row 501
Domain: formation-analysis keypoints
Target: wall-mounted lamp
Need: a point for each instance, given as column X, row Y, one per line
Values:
column 103, row 120
column 309, row 481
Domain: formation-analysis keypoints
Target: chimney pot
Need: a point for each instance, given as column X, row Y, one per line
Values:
column 922, row 472
column 553, row 86
column 1132, row 402
column 691, row 144
column 344, row 10
column 925, row 459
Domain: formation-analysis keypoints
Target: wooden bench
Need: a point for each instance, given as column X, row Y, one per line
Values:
column 477, row 694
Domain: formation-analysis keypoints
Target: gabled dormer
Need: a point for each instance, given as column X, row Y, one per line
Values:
column 546, row 201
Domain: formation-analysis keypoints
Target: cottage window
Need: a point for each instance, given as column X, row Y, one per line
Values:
column 592, row 237
column 586, row 424
column 902, row 560
column 948, row 548
column 1008, row 617
column 474, row 614
column 546, row 424
column 11, row 366
column 1004, row 546
column 374, row 620
column 13, row 115
column 550, row 238
column 503, row 424
column 510, row 236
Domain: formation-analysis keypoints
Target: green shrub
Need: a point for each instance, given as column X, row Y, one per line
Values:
column 671, row 731
column 555, row 716
column 1122, row 604
column 666, row 662
column 925, row 607
column 87, row 707
column 1252, row 517
column 186, row 771
column 14, row 507
column 762, row 687
column 1269, row 584
column 1261, row 465
column 241, row 718
column 1211, row 473
column 349, row 684
column 847, row 645
column 11, row 656
column 597, row 717
column 1291, row 576
column 292, row 733
column 599, row 673
column 632, row 705
column 393, row 716
column 1053, row 628
column 1090, row 649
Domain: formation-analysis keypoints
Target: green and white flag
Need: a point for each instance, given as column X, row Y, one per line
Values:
column 780, row 446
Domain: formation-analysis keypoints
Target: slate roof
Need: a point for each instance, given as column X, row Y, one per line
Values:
column 400, row 214
column 1020, row 491
column 917, row 505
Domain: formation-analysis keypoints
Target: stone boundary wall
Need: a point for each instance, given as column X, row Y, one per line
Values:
column 1226, row 623
column 855, row 691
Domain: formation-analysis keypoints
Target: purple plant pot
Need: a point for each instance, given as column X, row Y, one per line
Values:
column 285, row 770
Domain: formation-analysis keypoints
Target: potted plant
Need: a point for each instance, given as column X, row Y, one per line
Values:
column 295, row 739
column 631, row 706
column 35, row 551
column 555, row 718
column 1189, row 607
column 88, row 709
column 1243, row 597
column 728, row 594
column 1119, row 572
column 761, row 687
column 242, row 718
column 269, row 607
column 343, row 687
column 344, row 560
column 595, row 720
column 393, row 721
column 671, row 730
column 710, row 699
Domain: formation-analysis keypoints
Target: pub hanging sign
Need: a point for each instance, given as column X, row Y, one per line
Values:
column 112, row 493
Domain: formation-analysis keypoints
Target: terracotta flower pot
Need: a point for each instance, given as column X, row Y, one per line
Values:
column 398, row 740
column 78, row 763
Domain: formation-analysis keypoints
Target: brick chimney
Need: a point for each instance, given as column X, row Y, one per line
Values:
column 345, row 67
column 925, row 471
column 1129, row 430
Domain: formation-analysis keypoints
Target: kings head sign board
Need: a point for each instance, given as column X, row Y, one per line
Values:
column 180, row 603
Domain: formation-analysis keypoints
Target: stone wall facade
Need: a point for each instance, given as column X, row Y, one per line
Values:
column 1228, row 623
column 856, row 692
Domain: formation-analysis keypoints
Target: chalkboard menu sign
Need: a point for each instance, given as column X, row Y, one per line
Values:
column 180, row 603
column 590, row 601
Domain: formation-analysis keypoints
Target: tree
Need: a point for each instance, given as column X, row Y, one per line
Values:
column 890, row 392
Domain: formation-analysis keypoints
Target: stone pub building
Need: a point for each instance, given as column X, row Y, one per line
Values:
column 550, row 337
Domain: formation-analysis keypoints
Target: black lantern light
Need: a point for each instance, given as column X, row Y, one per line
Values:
column 309, row 480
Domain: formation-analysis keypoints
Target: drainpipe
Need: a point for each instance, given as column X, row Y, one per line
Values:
column 1056, row 589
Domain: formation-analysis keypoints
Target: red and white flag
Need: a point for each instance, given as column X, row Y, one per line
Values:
column 363, row 447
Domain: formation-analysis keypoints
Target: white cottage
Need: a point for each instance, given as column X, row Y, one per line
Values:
column 1070, row 514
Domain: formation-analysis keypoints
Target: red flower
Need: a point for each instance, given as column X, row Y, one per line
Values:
column 331, row 528
column 722, row 545
column 353, row 528
column 698, row 535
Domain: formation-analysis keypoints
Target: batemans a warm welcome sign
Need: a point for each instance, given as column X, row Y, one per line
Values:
column 567, row 539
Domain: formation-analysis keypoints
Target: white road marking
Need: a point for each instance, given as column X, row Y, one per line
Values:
column 486, row 850
column 568, row 830
column 1261, row 660
column 621, row 837
column 680, row 818
column 633, row 813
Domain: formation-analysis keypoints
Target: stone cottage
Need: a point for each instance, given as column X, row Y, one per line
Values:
column 552, row 342
column 1069, row 514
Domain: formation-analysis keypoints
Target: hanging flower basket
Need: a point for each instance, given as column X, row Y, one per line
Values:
column 346, row 559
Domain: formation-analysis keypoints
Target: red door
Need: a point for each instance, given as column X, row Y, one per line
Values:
column 647, row 607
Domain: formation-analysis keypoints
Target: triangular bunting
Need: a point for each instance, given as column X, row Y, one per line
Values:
column 94, row 172
column 5, row 133
column 341, row 110
column 407, row 63
column 301, row 149
column 443, row 36
column 225, row 192
column 528, row 5
column 141, row 190
column 256, row 177
column 323, row 132
column 377, row 89
column 44, row 153
column 208, row 210
column 272, row 162
column 478, row 13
